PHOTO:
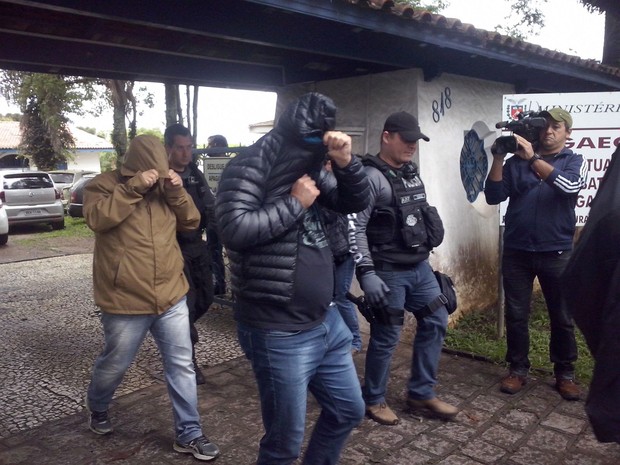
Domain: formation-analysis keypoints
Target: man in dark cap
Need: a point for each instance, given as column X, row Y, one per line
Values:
column 542, row 180
column 395, row 235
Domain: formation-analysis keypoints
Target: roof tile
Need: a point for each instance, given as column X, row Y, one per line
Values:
column 485, row 39
column 10, row 137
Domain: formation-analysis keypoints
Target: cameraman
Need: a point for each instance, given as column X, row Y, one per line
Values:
column 395, row 235
column 542, row 181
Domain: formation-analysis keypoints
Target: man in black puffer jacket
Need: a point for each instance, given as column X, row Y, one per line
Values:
column 283, row 277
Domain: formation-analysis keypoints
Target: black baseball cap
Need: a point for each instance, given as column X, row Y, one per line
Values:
column 406, row 125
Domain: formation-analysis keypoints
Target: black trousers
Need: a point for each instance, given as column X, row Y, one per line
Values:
column 197, row 270
column 519, row 269
column 217, row 260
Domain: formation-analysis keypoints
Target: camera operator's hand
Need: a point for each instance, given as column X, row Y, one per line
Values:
column 374, row 289
column 525, row 150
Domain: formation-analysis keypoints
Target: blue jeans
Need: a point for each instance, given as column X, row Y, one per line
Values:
column 519, row 268
column 123, row 336
column 342, row 283
column 411, row 290
column 288, row 364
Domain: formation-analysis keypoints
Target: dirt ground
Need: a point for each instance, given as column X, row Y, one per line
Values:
column 28, row 244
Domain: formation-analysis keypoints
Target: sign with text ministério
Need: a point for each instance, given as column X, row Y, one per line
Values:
column 595, row 134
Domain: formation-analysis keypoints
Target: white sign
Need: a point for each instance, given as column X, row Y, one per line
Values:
column 595, row 135
column 212, row 168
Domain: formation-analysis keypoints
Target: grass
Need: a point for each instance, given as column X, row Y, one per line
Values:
column 476, row 334
column 74, row 228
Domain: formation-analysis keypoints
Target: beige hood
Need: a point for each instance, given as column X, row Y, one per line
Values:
column 145, row 152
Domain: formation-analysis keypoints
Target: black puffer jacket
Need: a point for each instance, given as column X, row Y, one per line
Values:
column 258, row 218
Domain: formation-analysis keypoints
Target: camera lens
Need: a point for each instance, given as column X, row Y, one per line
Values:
column 506, row 144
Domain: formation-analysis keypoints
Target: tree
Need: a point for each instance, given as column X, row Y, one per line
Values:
column 527, row 13
column 173, row 108
column 174, row 111
column 37, row 142
column 44, row 100
column 525, row 21
column 432, row 6
column 123, row 99
column 120, row 94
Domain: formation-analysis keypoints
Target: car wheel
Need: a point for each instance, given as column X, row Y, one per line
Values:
column 58, row 225
column 4, row 239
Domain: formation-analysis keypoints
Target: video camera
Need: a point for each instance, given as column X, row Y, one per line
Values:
column 527, row 125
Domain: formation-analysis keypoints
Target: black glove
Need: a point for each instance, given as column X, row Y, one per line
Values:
column 362, row 306
column 375, row 289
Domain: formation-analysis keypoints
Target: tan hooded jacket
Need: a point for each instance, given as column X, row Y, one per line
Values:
column 137, row 264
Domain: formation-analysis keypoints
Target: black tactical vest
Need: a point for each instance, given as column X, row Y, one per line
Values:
column 402, row 223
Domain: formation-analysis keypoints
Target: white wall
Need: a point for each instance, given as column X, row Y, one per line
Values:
column 85, row 161
column 470, row 252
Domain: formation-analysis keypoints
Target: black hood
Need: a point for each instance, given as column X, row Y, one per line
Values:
column 306, row 119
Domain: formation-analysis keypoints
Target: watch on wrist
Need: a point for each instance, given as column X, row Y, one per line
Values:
column 534, row 158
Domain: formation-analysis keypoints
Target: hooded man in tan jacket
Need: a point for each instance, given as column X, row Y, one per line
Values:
column 139, row 284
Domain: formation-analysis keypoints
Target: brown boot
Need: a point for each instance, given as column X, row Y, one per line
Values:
column 434, row 407
column 568, row 389
column 512, row 383
column 382, row 414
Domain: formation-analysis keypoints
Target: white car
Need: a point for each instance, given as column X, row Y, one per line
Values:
column 64, row 179
column 30, row 197
column 4, row 225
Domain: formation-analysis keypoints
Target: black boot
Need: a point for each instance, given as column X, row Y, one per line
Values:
column 200, row 378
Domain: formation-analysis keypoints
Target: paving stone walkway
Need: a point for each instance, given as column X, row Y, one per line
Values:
column 50, row 336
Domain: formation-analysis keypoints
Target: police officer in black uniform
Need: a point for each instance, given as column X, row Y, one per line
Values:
column 395, row 235
column 179, row 144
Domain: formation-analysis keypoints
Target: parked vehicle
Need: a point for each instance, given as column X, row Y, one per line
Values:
column 65, row 178
column 30, row 197
column 4, row 225
column 76, row 196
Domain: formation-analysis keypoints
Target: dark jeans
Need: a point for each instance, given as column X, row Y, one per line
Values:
column 411, row 290
column 519, row 269
column 288, row 364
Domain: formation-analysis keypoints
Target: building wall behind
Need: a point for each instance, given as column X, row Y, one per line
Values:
column 85, row 161
column 447, row 107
